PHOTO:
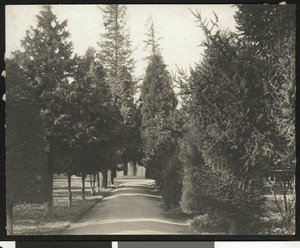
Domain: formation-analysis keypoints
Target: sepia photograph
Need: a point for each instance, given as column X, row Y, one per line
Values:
column 144, row 119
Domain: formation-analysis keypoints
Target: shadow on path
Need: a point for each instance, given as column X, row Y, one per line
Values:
column 133, row 208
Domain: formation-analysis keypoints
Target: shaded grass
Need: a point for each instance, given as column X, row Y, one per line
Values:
column 30, row 219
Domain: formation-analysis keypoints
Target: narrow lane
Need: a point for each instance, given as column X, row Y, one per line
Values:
column 133, row 208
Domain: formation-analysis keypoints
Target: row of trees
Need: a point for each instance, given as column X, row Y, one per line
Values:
column 81, row 108
column 240, row 128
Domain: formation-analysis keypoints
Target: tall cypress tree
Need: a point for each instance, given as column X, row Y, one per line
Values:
column 47, row 62
column 158, row 103
column 115, row 55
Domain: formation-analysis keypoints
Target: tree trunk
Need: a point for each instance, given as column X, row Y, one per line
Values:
column 125, row 168
column 83, row 176
column 113, row 175
column 156, row 184
column 50, row 208
column 104, row 181
column 284, row 197
column 161, row 184
column 92, row 183
column 50, row 162
column 99, row 185
column 108, row 178
column 233, row 227
column 70, row 189
column 9, row 219
column 135, row 169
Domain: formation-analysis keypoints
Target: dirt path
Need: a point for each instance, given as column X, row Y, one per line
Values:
column 133, row 208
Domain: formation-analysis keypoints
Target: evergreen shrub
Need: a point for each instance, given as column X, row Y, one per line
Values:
column 217, row 193
column 172, row 183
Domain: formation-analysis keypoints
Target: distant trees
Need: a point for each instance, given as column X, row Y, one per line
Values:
column 99, row 123
column 116, row 56
column 130, row 110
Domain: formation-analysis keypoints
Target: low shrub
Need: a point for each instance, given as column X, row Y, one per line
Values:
column 209, row 223
column 172, row 183
column 193, row 180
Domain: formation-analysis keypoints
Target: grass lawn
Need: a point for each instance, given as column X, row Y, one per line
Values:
column 32, row 219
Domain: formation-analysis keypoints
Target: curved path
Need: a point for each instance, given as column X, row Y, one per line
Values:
column 133, row 208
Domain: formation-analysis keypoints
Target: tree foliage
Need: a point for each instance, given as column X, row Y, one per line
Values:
column 266, row 25
column 275, row 45
column 48, row 64
column 172, row 182
column 115, row 50
column 116, row 56
column 25, row 155
column 97, row 119
column 273, row 38
column 158, row 105
column 236, row 127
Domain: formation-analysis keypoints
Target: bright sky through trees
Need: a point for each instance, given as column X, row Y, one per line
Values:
column 175, row 24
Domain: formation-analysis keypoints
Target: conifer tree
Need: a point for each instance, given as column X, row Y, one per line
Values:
column 99, row 123
column 232, row 113
column 228, row 103
column 115, row 46
column 115, row 55
column 152, row 42
column 25, row 155
column 47, row 62
column 128, row 108
column 158, row 104
column 272, row 37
